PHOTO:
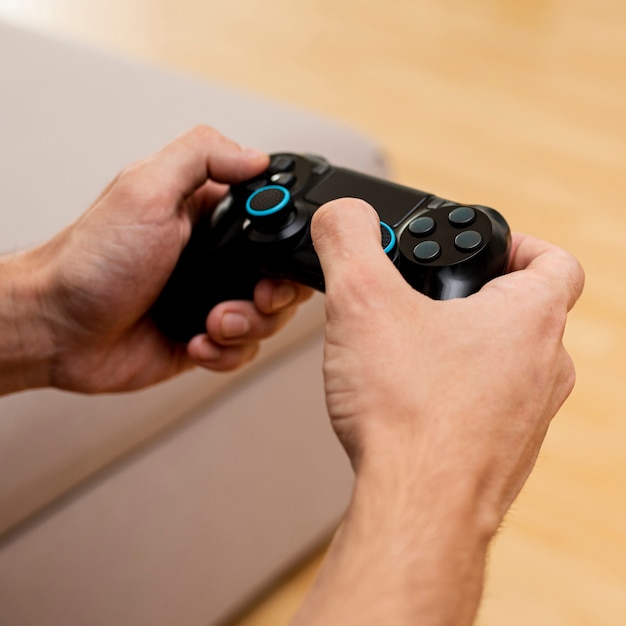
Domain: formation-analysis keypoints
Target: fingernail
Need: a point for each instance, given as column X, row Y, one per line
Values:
column 283, row 296
column 208, row 352
column 234, row 325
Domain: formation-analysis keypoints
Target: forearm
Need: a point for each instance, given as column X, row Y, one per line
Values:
column 411, row 550
column 25, row 347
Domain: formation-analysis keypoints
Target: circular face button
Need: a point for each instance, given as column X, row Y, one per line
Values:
column 427, row 251
column 462, row 216
column 268, row 200
column 422, row 226
column 468, row 241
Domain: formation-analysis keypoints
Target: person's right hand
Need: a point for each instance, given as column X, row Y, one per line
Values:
column 457, row 392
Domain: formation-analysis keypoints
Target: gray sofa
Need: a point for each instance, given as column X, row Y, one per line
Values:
column 180, row 503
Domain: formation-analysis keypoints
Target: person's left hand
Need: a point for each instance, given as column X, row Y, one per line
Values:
column 96, row 280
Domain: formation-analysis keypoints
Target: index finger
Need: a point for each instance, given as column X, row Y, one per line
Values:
column 540, row 258
column 187, row 174
column 203, row 154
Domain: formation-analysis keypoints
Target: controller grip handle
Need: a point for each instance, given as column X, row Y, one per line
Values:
column 211, row 269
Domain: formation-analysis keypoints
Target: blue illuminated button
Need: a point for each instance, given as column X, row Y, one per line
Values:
column 426, row 251
column 388, row 238
column 268, row 200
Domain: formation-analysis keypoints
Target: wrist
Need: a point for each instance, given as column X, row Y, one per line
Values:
column 411, row 548
column 432, row 545
column 26, row 348
column 417, row 475
column 427, row 459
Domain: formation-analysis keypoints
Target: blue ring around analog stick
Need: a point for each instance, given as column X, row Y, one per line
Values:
column 272, row 210
column 392, row 242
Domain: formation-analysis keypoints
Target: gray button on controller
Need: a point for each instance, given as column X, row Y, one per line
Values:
column 462, row 216
column 468, row 241
column 422, row 226
column 427, row 251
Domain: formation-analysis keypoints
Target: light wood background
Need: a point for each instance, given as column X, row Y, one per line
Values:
column 518, row 104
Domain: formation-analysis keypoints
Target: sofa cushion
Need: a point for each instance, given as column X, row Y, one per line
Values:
column 71, row 118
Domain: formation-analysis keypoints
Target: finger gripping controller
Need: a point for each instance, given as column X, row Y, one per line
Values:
column 442, row 248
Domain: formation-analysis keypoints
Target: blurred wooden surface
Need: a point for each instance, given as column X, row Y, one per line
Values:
column 518, row 105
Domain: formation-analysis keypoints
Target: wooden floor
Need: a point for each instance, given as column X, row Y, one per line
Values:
column 516, row 104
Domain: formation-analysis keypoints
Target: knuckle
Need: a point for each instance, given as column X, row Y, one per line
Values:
column 204, row 133
column 570, row 373
column 566, row 378
column 577, row 278
column 573, row 277
column 137, row 187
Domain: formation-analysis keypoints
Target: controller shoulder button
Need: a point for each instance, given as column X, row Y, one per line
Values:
column 435, row 202
column 319, row 165
column 281, row 163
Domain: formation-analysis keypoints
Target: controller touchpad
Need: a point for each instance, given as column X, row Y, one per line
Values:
column 392, row 202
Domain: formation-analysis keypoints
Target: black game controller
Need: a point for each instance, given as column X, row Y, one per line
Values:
column 443, row 249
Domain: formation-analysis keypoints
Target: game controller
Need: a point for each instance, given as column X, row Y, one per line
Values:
column 442, row 248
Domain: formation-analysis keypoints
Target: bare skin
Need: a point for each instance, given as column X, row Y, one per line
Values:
column 73, row 311
column 442, row 407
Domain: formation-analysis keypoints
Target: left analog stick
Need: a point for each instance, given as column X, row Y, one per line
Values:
column 269, row 201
